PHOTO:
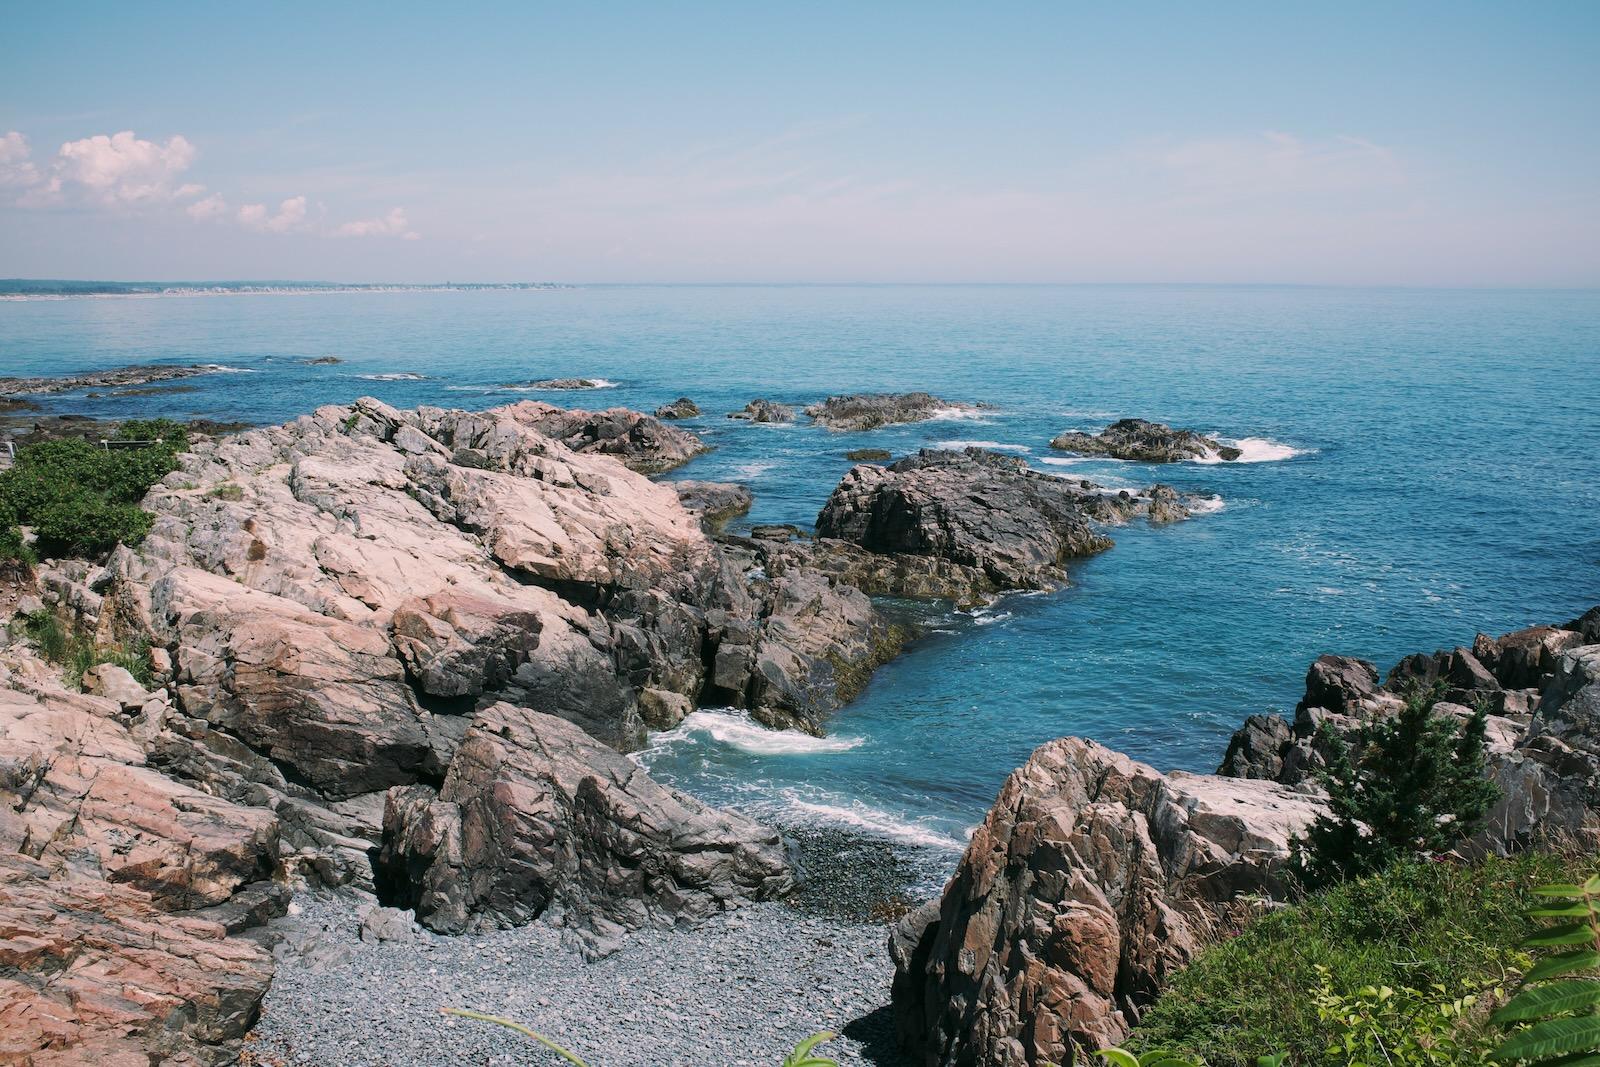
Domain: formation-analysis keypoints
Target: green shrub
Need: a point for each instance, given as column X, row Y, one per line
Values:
column 81, row 498
column 1411, row 784
column 1438, row 931
column 1555, row 1016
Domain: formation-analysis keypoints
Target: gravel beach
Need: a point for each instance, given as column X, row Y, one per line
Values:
column 741, row 989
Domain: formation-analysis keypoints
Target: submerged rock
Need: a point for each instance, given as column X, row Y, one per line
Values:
column 868, row 455
column 1092, row 880
column 534, row 813
column 868, row 411
column 1146, row 442
column 764, row 411
column 681, row 408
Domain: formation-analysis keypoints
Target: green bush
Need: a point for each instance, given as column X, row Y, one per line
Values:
column 1412, row 784
column 1432, row 932
column 81, row 498
column 1555, row 1016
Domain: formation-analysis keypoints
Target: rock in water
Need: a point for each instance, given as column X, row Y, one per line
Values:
column 717, row 503
column 535, row 813
column 1012, row 527
column 868, row 411
column 639, row 440
column 1146, row 442
column 1092, row 880
column 681, row 408
column 764, row 411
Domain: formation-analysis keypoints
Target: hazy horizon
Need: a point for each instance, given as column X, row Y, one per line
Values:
column 1432, row 145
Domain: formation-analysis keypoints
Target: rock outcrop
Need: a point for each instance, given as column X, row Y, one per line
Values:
column 681, row 408
column 716, row 503
column 103, row 379
column 1009, row 527
column 638, row 440
column 1092, row 880
column 761, row 410
column 535, row 814
column 1146, row 442
column 868, row 411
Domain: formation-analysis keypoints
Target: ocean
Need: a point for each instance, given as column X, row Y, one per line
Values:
column 1420, row 465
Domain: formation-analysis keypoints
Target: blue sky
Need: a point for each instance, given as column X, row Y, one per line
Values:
column 1419, row 144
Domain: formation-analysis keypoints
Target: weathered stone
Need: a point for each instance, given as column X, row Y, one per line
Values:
column 681, row 408
column 92, row 972
column 1145, row 442
column 638, row 440
column 868, row 411
column 716, row 503
column 763, row 411
column 977, row 509
column 534, row 813
column 1092, row 880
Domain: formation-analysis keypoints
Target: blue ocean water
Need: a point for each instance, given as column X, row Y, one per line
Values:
column 1429, row 466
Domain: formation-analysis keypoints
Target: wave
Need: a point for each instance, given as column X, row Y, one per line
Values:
column 1257, row 450
column 223, row 368
column 995, row 446
column 866, row 818
column 1206, row 505
column 394, row 376
column 752, row 471
column 960, row 414
column 739, row 730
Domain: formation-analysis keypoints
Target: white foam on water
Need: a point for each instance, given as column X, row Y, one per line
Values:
column 394, row 376
column 223, row 368
column 739, row 730
column 994, row 446
column 1206, row 505
column 751, row 471
column 871, row 820
column 1256, row 450
column 1061, row 461
column 960, row 414
column 469, row 389
column 1079, row 413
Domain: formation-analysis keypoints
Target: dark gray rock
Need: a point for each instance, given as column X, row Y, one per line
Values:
column 760, row 410
column 716, row 503
column 535, row 813
column 1146, row 442
column 681, row 408
column 868, row 411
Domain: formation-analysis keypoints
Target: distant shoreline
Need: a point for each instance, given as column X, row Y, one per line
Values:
column 22, row 289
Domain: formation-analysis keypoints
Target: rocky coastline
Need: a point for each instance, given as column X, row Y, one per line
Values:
column 393, row 663
column 399, row 657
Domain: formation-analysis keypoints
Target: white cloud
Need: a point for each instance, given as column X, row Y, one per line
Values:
column 212, row 207
column 16, row 169
column 291, row 216
column 393, row 224
column 122, row 170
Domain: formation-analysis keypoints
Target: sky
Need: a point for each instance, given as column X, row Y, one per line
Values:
column 1350, row 143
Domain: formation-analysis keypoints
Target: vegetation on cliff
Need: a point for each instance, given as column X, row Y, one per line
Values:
column 81, row 498
column 1404, row 966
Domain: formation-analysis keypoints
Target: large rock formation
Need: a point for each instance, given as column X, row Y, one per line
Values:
column 535, row 814
column 868, row 411
column 1091, row 881
column 639, row 440
column 1539, row 685
column 681, row 408
column 1146, row 442
column 98, row 851
column 1014, row 527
